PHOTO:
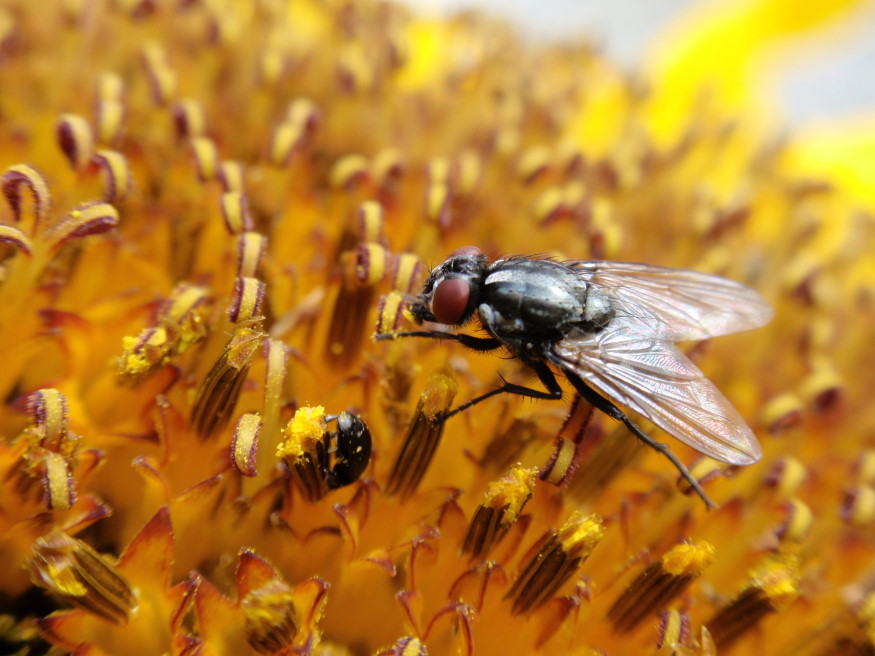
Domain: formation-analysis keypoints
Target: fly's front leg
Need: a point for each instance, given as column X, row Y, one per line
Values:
column 554, row 391
column 606, row 406
column 474, row 343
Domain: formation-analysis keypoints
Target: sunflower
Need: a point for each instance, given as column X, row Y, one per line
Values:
column 213, row 205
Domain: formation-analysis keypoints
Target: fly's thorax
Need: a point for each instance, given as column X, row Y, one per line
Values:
column 517, row 335
column 543, row 298
column 530, row 304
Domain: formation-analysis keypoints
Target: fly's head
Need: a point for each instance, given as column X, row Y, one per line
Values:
column 451, row 292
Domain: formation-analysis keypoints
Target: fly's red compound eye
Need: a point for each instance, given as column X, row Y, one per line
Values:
column 450, row 300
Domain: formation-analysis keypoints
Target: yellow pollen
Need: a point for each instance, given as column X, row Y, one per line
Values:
column 688, row 559
column 307, row 424
column 439, row 394
column 513, row 491
column 778, row 578
column 580, row 534
column 65, row 581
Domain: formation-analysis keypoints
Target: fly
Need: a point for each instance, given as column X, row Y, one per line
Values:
column 610, row 328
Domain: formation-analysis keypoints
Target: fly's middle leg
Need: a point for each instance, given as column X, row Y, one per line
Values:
column 554, row 391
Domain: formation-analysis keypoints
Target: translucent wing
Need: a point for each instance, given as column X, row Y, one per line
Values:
column 653, row 378
column 676, row 304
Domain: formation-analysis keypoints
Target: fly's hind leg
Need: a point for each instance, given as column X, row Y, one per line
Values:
column 606, row 406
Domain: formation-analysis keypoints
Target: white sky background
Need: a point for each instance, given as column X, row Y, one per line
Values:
column 835, row 82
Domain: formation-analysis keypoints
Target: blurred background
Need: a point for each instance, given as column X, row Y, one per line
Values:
column 837, row 79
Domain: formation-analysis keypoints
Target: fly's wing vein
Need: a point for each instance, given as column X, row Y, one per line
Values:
column 653, row 378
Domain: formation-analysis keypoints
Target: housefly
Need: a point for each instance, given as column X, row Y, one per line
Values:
column 610, row 328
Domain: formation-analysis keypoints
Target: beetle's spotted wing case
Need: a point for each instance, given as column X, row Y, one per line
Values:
column 652, row 377
column 676, row 304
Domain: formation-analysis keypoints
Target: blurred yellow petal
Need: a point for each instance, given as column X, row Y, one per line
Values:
column 723, row 57
column 842, row 152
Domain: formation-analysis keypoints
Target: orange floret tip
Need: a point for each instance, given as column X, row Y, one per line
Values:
column 349, row 171
column 231, row 176
column 305, row 113
column 60, row 488
column 783, row 412
column 567, row 449
column 75, row 140
column 86, row 220
column 20, row 177
column 408, row 274
column 247, row 299
column 110, row 118
column 370, row 220
column 674, row 630
column 797, row 524
column 235, row 210
column 244, row 445
column 163, row 80
column 16, row 237
column 387, row 168
column 368, row 264
column 286, row 140
column 391, row 312
column 189, row 118
column 51, row 423
column 858, row 506
column 206, row 157
column 786, row 476
column 117, row 176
